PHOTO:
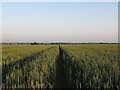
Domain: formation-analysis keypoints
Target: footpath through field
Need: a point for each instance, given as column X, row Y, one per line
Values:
column 60, row 73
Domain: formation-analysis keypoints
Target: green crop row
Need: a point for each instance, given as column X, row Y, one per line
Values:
column 91, row 66
column 13, row 53
column 16, row 55
column 38, row 70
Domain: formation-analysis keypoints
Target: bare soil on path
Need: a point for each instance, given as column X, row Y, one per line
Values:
column 60, row 73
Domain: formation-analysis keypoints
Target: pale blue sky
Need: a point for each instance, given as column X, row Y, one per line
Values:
column 60, row 22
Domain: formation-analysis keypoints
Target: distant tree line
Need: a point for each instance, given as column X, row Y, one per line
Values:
column 35, row 43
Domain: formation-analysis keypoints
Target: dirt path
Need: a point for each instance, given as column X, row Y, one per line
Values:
column 60, row 73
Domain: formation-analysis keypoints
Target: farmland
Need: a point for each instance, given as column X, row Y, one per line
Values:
column 50, row 66
column 91, row 66
column 28, row 66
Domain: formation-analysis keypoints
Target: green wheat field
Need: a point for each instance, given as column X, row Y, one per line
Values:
column 54, row 66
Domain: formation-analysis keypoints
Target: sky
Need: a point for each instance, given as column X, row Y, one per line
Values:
column 60, row 22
